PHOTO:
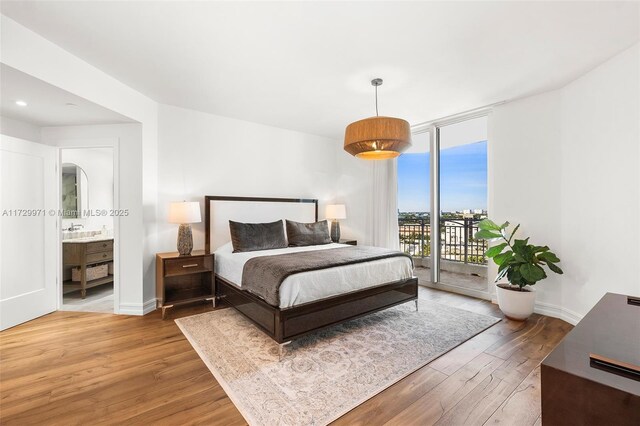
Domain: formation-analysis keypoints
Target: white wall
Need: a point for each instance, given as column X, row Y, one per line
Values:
column 32, row 54
column 202, row 154
column 524, row 170
column 601, row 182
column 19, row 129
column 566, row 165
column 97, row 164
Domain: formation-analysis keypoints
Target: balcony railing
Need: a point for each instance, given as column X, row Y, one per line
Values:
column 456, row 239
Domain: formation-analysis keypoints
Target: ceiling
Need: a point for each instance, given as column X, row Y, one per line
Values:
column 452, row 135
column 48, row 105
column 307, row 65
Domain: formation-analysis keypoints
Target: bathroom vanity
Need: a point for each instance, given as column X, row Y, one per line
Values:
column 89, row 255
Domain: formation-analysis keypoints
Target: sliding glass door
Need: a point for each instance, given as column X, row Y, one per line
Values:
column 441, row 199
column 414, row 195
column 463, row 203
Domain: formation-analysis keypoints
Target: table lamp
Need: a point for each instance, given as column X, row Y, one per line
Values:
column 335, row 212
column 185, row 213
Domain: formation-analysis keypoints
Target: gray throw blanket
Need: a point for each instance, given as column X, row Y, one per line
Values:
column 263, row 275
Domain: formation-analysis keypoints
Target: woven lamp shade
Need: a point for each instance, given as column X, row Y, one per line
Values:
column 377, row 138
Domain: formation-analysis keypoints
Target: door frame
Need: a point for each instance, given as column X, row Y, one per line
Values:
column 89, row 143
column 433, row 128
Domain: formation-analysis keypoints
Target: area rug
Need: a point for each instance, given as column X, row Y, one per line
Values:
column 324, row 375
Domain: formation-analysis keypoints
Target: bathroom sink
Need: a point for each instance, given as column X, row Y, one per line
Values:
column 87, row 239
column 86, row 236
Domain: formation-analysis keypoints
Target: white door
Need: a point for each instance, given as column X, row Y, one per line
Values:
column 28, row 237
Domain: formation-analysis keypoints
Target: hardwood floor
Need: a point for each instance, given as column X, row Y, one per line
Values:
column 80, row 368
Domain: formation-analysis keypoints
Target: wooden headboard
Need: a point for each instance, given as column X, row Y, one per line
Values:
column 218, row 210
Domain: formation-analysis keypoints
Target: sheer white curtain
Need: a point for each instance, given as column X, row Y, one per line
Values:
column 384, row 232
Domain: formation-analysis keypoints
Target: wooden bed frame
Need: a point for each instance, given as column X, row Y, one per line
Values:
column 286, row 324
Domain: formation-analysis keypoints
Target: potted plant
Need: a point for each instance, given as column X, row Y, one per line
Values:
column 521, row 263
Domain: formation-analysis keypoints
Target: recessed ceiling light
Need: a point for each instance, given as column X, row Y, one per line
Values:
column 21, row 103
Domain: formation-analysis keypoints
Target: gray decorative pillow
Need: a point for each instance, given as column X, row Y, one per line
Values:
column 256, row 236
column 307, row 234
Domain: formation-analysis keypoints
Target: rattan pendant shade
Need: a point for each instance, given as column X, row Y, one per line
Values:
column 377, row 138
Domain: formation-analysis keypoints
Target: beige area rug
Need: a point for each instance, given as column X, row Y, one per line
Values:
column 326, row 374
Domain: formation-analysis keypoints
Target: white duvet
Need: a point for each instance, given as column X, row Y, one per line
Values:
column 315, row 285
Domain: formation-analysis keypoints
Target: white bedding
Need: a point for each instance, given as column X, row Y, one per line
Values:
column 315, row 285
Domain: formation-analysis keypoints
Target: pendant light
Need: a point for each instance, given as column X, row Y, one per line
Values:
column 377, row 138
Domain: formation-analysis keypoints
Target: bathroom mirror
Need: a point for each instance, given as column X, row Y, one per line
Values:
column 75, row 191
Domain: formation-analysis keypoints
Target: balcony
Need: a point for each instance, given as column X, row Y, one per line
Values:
column 462, row 260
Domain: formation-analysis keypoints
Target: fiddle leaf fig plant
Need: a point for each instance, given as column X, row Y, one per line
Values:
column 522, row 263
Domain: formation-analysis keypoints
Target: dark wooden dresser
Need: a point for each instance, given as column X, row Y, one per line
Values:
column 578, row 391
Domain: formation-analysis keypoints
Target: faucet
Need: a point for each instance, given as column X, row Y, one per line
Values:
column 75, row 227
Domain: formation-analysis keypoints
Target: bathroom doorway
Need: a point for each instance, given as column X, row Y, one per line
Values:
column 86, row 216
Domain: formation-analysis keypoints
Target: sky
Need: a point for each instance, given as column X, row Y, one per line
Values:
column 463, row 179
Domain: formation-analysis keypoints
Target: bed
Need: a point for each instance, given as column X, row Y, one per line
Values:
column 310, row 300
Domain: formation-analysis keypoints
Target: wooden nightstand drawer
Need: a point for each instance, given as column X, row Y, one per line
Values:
column 100, row 246
column 99, row 257
column 189, row 265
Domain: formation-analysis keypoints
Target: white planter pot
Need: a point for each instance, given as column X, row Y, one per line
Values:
column 516, row 305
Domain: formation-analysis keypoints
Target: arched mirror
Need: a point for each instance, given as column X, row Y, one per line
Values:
column 75, row 191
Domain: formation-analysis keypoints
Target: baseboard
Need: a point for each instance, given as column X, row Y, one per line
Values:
column 149, row 306
column 459, row 290
column 138, row 308
column 556, row 311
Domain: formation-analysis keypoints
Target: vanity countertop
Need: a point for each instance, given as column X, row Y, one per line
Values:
column 88, row 239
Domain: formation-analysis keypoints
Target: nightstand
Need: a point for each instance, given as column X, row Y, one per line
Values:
column 184, row 279
column 350, row 242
